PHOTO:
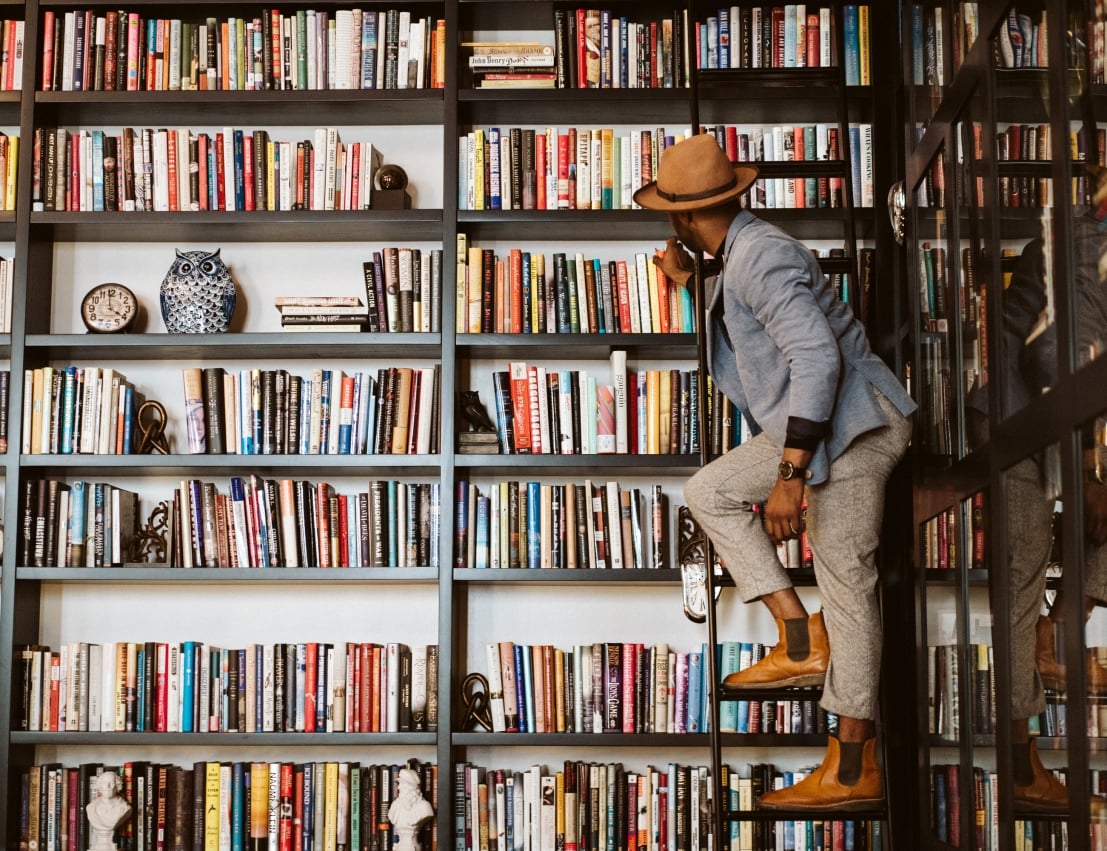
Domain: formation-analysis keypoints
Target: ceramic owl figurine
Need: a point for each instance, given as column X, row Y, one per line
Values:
column 198, row 294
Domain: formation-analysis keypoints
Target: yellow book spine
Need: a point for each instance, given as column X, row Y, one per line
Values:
column 330, row 807
column 478, row 169
column 211, row 806
column 461, row 287
column 655, row 308
column 864, row 75
column 653, row 435
column 12, row 170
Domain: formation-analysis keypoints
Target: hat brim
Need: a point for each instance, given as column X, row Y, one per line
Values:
column 648, row 196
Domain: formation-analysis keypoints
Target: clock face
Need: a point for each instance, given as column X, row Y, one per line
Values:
column 108, row 308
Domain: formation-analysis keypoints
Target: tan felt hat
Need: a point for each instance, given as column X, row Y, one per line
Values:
column 695, row 174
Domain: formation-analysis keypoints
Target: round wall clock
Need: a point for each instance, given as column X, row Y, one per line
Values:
column 109, row 308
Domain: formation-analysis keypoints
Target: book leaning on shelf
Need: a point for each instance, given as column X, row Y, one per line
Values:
column 272, row 412
column 311, row 49
column 251, row 804
column 513, row 64
column 193, row 687
column 269, row 523
column 574, row 168
column 571, row 412
column 525, row 292
column 534, row 525
column 160, row 170
column 78, row 410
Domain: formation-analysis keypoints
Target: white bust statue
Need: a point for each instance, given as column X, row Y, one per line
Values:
column 106, row 812
column 408, row 811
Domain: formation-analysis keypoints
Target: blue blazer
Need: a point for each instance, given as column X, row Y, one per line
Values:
column 794, row 349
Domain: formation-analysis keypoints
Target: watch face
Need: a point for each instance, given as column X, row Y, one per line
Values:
column 786, row 469
column 108, row 308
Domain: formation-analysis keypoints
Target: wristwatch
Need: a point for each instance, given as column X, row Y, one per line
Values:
column 787, row 470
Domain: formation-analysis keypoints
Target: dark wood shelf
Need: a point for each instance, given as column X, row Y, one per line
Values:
column 232, row 465
column 271, row 344
column 223, row 575
column 588, row 576
column 532, row 225
column 574, row 346
column 240, row 226
column 224, row 739
column 675, row 465
column 666, row 107
column 600, row 740
column 341, row 107
column 811, row 693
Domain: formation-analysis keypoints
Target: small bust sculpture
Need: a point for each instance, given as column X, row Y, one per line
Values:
column 409, row 811
column 106, row 812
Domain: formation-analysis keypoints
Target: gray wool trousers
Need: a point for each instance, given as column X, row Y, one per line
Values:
column 844, row 516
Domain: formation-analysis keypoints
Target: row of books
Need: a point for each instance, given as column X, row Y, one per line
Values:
column 309, row 49
column 570, row 412
column 403, row 290
column 173, row 170
column 78, row 410
column 328, row 412
column 192, row 687
column 513, row 293
column 224, row 805
column 947, row 803
column 534, row 525
column 286, row 523
column 574, row 168
column 11, row 64
column 9, row 165
column 600, row 49
column 789, row 36
column 593, row 806
column 943, row 543
column 76, row 524
column 1022, row 41
column 946, row 680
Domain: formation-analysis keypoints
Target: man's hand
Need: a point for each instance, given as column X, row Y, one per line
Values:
column 676, row 262
column 784, row 510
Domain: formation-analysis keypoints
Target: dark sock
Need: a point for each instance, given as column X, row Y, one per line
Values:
column 796, row 637
column 1024, row 773
column 849, row 762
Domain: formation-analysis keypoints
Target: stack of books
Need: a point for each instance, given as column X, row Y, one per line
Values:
column 512, row 65
column 321, row 313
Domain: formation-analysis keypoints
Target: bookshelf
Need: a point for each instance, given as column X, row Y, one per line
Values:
column 59, row 254
column 995, row 168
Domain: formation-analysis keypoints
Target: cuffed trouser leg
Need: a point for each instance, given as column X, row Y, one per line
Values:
column 843, row 522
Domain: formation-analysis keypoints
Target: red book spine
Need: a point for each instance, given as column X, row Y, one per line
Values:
column 344, row 531
column 161, row 717
column 354, row 202
column 630, row 666
column 376, row 689
column 520, row 405
column 324, row 525
column 541, row 164
column 277, row 81
column 778, row 36
column 563, row 171
column 365, row 689
column 624, row 296
column 812, row 41
column 284, row 825
column 171, row 146
column 311, row 669
column 582, row 52
column 571, row 180
column 48, row 24
column 248, row 166
column 220, row 172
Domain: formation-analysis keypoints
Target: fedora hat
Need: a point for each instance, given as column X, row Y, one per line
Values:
column 695, row 174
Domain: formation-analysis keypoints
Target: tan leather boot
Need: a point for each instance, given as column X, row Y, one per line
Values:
column 822, row 791
column 1051, row 672
column 1046, row 794
column 778, row 670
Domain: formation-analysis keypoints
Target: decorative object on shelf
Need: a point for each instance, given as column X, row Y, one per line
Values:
column 152, row 538
column 151, row 429
column 106, row 812
column 409, row 811
column 109, row 308
column 474, row 701
column 692, row 558
column 390, row 189
column 198, row 294
column 480, row 436
column 897, row 202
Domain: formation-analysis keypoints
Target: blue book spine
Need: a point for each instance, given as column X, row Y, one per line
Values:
column 624, row 54
column 855, row 161
column 238, row 806
column 527, row 693
column 188, row 684
column 695, row 692
column 852, row 48
column 140, row 690
column 461, row 524
column 724, row 37
column 918, row 39
column 128, row 419
column 325, row 411
column 308, row 821
column 393, row 531
column 213, row 178
column 702, row 42
column 305, row 416
column 494, row 167
column 97, row 171
column 509, row 810
column 602, row 316
column 69, row 401
column 239, row 169
column 520, row 686
column 369, row 51
column 355, row 806
column 78, row 517
column 483, row 521
column 534, row 525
